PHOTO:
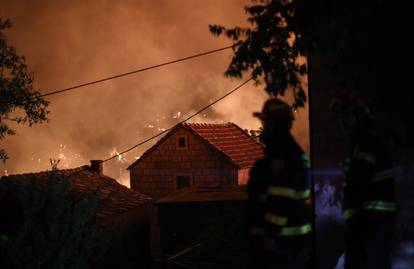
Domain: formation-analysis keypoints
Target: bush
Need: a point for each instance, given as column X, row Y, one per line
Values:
column 55, row 228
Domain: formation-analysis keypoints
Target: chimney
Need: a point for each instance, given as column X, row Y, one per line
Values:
column 97, row 166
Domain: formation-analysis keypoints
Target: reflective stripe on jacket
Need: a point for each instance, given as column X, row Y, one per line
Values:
column 278, row 190
column 369, row 179
column 287, row 213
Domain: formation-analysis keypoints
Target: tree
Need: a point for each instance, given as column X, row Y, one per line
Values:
column 52, row 228
column 19, row 103
column 270, row 49
column 365, row 46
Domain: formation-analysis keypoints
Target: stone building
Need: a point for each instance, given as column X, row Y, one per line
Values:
column 195, row 155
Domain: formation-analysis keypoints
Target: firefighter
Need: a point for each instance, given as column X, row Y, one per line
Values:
column 368, row 196
column 279, row 214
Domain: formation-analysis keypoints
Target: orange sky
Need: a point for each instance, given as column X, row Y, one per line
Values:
column 71, row 42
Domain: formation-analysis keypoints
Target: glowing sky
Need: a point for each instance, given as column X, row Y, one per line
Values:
column 71, row 42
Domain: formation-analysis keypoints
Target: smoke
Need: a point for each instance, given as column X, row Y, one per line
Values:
column 71, row 42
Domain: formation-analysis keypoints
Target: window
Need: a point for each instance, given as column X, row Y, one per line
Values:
column 182, row 142
column 183, row 181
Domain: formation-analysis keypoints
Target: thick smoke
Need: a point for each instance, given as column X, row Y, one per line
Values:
column 72, row 42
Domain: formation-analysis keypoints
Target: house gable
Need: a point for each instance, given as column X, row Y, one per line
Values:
column 166, row 167
column 176, row 133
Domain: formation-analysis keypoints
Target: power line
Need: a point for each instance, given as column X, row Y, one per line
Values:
column 136, row 71
column 188, row 118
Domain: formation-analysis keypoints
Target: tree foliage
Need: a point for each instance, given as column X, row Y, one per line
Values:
column 19, row 103
column 269, row 49
column 53, row 229
column 365, row 46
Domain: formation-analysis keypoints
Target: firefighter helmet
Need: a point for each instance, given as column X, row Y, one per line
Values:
column 275, row 108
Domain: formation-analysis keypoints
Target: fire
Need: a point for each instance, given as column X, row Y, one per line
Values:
column 120, row 157
column 176, row 116
column 66, row 157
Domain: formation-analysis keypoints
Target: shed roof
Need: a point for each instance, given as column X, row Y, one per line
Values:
column 227, row 138
column 206, row 194
column 113, row 198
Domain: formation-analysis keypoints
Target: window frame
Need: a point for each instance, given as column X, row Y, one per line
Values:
column 178, row 146
column 190, row 180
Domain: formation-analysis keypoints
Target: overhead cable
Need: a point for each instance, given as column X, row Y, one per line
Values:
column 186, row 119
column 136, row 71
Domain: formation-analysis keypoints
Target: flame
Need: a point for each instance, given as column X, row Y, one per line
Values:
column 120, row 157
column 176, row 116
column 62, row 154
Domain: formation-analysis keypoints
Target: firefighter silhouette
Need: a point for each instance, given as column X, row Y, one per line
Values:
column 278, row 211
column 369, row 197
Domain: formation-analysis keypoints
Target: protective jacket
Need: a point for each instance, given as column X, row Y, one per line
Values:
column 278, row 191
column 369, row 182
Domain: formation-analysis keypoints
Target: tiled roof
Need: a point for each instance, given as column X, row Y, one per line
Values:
column 206, row 194
column 227, row 138
column 114, row 198
column 231, row 140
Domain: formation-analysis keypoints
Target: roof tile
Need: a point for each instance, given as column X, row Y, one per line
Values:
column 83, row 181
column 231, row 140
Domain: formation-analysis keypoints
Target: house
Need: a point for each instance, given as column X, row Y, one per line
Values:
column 201, row 227
column 124, row 211
column 195, row 155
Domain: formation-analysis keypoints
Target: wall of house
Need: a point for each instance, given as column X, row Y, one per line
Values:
column 213, row 233
column 155, row 175
column 129, row 235
column 243, row 176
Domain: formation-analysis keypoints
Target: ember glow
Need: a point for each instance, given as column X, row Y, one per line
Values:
column 66, row 156
column 120, row 157
column 176, row 116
